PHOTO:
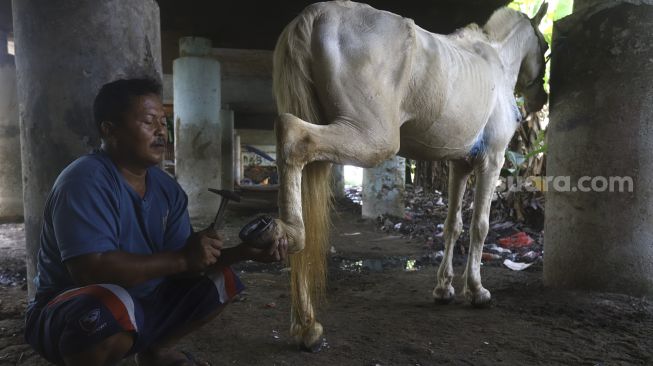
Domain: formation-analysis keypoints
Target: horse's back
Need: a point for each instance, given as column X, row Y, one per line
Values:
column 381, row 72
column 360, row 61
column 455, row 89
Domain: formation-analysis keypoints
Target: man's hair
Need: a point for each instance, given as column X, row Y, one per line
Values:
column 115, row 98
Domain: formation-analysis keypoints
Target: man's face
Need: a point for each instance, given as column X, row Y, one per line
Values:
column 140, row 138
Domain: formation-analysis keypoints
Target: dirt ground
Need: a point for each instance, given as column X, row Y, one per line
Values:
column 380, row 312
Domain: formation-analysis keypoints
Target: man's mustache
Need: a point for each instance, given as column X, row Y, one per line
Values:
column 160, row 141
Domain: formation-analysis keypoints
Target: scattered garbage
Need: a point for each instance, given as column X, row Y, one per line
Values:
column 490, row 256
column 531, row 255
column 502, row 225
column 355, row 194
column 424, row 220
column 516, row 266
column 519, row 240
column 493, row 248
column 271, row 305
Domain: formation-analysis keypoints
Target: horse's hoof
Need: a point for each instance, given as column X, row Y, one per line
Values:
column 444, row 296
column 309, row 338
column 315, row 348
column 479, row 299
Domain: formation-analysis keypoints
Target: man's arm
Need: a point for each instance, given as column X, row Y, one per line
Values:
column 277, row 251
column 128, row 269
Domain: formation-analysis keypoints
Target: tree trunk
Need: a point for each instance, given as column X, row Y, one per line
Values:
column 432, row 175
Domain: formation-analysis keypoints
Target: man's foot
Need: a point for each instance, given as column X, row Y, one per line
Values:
column 168, row 357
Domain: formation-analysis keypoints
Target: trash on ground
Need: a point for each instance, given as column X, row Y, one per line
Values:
column 490, row 256
column 493, row 248
column 519, row 240
column 531, row 255
column 502, row 225
column 516, row 266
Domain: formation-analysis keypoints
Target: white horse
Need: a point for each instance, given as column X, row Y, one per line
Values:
column 356, row 85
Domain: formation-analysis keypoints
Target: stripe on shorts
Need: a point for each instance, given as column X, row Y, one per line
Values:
column 225, row 283
column 114, row 298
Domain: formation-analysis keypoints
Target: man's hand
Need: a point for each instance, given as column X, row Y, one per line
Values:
column 202, row 250
column 277, row 252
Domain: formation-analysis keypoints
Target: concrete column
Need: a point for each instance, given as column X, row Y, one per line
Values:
column 196, row 83
column 65, row 51
column 601, row 128
column 384, row 189
column 11, row 186
column 238, row 165
column 227, row 169
column 338, row 177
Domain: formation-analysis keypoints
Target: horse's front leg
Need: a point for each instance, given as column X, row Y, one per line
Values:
column 487, row 172
column 453, row 226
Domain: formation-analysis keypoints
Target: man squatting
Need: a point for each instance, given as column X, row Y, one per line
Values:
column 120, row 270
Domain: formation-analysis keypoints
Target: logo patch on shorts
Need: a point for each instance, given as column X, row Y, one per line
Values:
column 89, row 321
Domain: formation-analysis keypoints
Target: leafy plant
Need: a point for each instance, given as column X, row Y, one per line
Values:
column 518, row 160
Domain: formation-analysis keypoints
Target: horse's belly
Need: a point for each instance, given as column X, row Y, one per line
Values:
column 438, row 140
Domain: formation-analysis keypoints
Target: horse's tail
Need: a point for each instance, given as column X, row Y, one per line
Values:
column 295, row 94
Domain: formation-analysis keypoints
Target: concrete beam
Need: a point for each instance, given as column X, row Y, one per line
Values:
column 11, row 186
column 384, row 189
column 197, row 126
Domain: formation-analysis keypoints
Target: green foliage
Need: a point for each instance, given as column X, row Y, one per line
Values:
column 557, row 9
column 519, row 161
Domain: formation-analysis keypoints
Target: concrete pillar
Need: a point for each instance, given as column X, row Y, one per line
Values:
column 196, row 83
column 65, row 51
column 227, row 134
column 384, row 189
column 238, row 166
column 11, row 186
column 338, row 177
column 601, row 127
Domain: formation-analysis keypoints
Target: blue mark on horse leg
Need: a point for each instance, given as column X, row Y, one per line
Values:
column 479, row 146
column 517, row 113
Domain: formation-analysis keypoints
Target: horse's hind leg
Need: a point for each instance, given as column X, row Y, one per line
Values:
column 487, row 172
column 458, row 174
column 300, row 143
column 341, row 141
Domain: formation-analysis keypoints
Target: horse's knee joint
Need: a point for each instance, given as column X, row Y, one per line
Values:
column 454, row 228
column 293, row 143
column 481, row 227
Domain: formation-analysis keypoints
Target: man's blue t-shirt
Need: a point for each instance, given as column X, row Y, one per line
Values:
column 92, row 209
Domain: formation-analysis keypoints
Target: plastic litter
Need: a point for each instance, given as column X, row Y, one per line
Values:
column 516, row 266
column 519, row 240
column 493, row 248
column 530, row 255
column 490, row 256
